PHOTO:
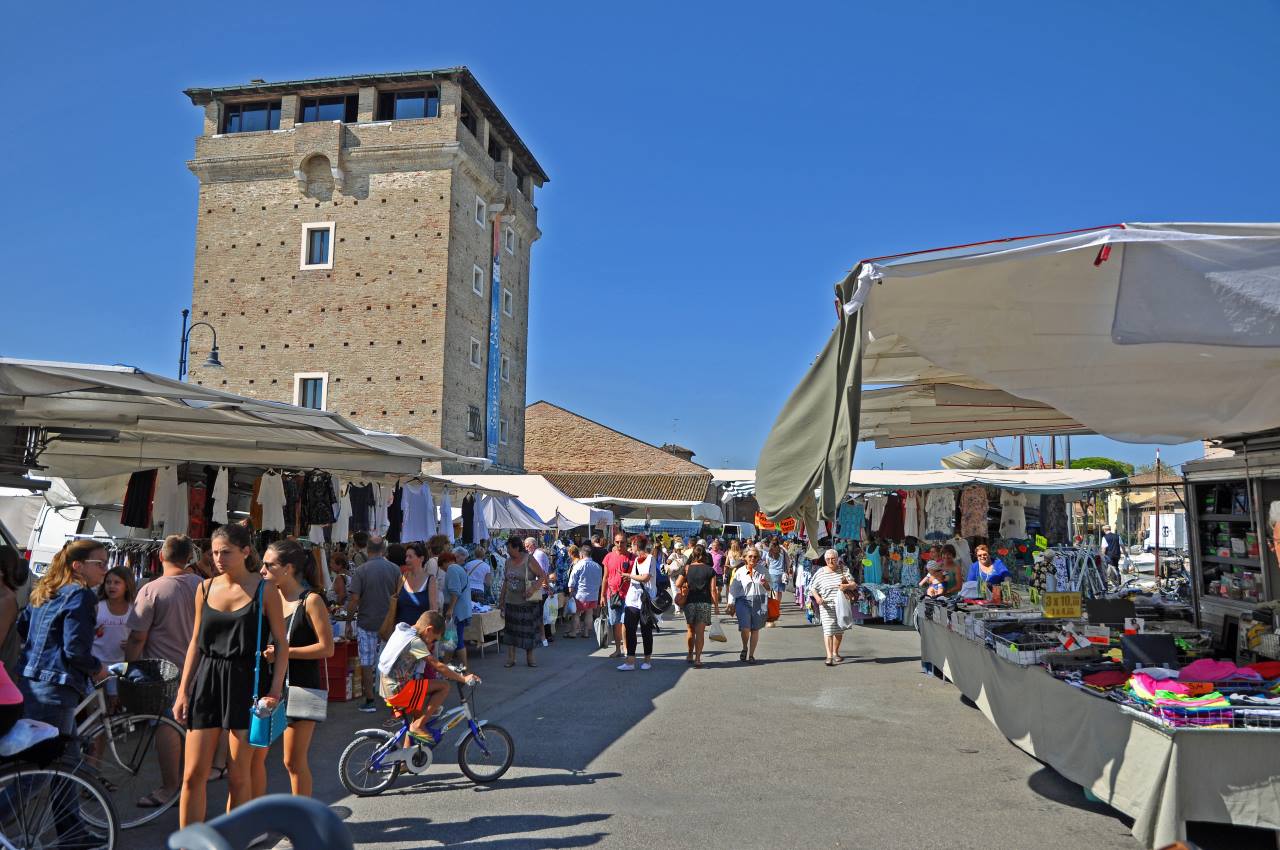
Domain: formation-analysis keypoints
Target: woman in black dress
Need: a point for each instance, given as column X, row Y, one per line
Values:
column 217, row 687
column 292, row 569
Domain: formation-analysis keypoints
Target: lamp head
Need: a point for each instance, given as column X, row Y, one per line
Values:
column 212, row 362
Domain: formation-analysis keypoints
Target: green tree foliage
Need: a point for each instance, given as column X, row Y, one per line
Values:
column 1117, row 468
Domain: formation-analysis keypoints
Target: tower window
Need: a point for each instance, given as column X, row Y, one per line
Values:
column 342, row 107
column 317, row 245
column 481, row 210
column 399, row 105
column 477, row 280
column 475, row 353
column 506, row 369
column 510, row 238
column 310, row 389
column 473, row 422
column 251, row 117
column 504, row 430
column 467, row 116
column 506, row 301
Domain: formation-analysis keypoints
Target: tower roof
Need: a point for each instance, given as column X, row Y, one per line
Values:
column 462, row 75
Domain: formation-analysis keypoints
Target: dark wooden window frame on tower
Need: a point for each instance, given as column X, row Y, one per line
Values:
column 338, row 107
column 401, row 105
column 255, row 117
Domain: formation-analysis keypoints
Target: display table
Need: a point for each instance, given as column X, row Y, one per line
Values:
column 484, row 628
column 1160, row 777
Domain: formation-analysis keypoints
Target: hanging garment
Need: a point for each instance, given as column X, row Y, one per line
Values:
column 891, row 526
column 136, row 512
column 255, row 507
column 169, row 506
column 318, row 498
column 911, row 524
column 875, row 510
column 395, row 515
column 1053, row 518
column 973, row 511
column 178, row 520
column 480, row 527
column 910, row 572
column 342, row 525
column 940, row 513
column 1013, row 514
column 293, row 484
column 197, row 496
column 418, row 510
column 964, row 556
column 848, row 520
column 362, row 505
column 445, row 525
column 270, row 499
column 872, row 573
column 468, row 518
column 220, row 497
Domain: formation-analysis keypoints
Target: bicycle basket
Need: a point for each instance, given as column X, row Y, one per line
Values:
column 150, row 686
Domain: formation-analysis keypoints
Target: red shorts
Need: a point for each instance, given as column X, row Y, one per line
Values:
column 585, row 606
column 412, row 697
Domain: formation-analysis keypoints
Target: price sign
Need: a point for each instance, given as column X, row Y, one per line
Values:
column 1061, row 605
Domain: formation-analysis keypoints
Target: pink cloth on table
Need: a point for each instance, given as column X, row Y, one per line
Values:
column 1150, row 685
column 9, row 693
column 1208, row 670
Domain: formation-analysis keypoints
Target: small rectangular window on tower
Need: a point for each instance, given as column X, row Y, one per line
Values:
column 310, row 389
column 503, row 430
column 340, row 107
column 475, row 353
column 510, row 238
column 317, row 245
column 251, row 117
column 481, row 210
column 506, row 302
column 506, row 369
column 402, row 105
column 477, row 280
column 473, row 422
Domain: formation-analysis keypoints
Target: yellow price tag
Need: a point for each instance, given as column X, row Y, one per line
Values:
column 1062, row 605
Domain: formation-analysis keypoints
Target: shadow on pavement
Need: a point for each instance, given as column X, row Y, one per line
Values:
column 480, row 833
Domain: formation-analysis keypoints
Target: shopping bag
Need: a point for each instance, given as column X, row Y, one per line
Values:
column 775, row 609
column 602, row 631
column 450, row 640
column 550, row 608
column 716, row 632
column 844, row 611
column 571, row 606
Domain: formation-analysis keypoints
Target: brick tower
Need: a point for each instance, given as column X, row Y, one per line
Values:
column 362, row 245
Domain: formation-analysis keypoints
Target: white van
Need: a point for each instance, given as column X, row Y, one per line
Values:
column 739, row 530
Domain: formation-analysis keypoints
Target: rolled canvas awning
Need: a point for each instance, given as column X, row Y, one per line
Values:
column 107, row 420
column 1139, row 332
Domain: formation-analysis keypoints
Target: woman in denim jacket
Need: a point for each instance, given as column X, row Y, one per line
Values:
column 58, row 626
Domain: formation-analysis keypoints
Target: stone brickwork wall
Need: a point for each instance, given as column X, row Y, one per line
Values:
column 391, row 322
column 557, row 440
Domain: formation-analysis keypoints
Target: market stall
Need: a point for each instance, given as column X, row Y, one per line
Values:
column 544, row 498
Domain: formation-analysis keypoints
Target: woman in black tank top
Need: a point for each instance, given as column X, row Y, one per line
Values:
column 293, row 571
column 216, row 690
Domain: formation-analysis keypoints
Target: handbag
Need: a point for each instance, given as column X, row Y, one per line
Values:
column 774, row 609
column 306, row 703
column 389, row 622
column 682, row 592
column 602, row 632
column 263, row 731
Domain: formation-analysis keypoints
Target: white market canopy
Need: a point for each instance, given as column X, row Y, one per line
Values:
column 108, row 420
column 545, row 498
column 506, row 513
column 1021, row 480
column 697, row 510
column 1139, row 332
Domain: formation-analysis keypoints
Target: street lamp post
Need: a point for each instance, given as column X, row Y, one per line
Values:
column 212, row 361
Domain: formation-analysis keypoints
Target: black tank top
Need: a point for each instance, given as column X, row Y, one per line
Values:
column 230, row 634
column 303, row 672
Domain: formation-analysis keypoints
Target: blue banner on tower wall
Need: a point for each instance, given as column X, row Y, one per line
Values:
column 493, row 382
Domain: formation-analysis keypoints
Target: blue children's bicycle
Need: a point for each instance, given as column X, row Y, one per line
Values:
column 376, row 757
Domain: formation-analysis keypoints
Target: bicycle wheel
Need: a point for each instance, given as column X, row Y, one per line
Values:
column 123, row 755
column 484, row 755
column 355, row 765
column 55, row 808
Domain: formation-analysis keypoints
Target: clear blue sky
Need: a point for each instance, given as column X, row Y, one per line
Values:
column 715, row 167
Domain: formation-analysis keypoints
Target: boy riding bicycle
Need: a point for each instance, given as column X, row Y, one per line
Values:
column 413, row 680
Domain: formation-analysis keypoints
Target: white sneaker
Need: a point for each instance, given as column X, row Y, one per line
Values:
column 645, row 665
column 544, row 641
column 626, row 666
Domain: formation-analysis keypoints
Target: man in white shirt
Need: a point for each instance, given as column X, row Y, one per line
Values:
column 531, row 546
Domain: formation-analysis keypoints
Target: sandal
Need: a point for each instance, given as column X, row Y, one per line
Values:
column 697, row 665
column 509, row 664
column 829, row 663
column 742, row 656
column 151, row 801
column 751, row 660
column 217, row 772
column 531, row 663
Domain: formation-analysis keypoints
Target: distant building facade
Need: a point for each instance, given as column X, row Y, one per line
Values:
column 346, row 239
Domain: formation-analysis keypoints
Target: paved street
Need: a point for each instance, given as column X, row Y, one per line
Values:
column 871, row 754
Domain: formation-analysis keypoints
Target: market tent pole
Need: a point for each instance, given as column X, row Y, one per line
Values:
column 1156, row 531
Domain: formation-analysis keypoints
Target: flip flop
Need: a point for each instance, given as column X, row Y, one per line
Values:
column 216, row 773
column 151, row 801
column 531, row 664
column 829, row 663
column 742, row 656
column 509, row 664
column 697, row 665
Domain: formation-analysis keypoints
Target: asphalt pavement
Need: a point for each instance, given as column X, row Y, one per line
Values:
column 783, row 753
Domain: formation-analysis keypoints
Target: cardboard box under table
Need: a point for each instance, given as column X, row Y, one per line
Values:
column 484, row 628
column 1162, row 777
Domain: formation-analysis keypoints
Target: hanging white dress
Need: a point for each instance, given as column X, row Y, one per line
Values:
column 271, row 497
column 1013, row 514
column 342, row 525
column 419, row 522
column 220, row 495
column 479, row 529
column 446, row 516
